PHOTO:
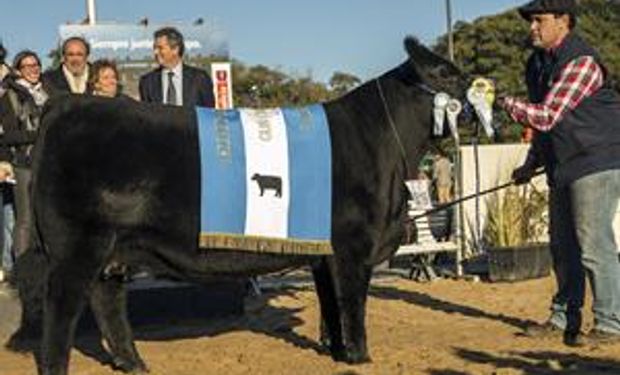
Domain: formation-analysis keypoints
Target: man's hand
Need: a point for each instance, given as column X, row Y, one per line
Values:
column 500, row 96
column 523, row 174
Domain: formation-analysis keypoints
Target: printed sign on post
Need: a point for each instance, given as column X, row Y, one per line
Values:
column 222, row 85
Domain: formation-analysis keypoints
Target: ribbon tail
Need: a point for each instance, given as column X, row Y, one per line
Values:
column 485, row 113
column 440, row 116
column 454, row 108
column 452, row 123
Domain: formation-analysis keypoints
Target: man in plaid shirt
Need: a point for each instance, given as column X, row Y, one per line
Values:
column 576, row 117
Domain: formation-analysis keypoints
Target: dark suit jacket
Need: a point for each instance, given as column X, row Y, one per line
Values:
column 55, row 82
column 197, row 87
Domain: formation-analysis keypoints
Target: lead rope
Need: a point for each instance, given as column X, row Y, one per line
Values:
column 388, row 114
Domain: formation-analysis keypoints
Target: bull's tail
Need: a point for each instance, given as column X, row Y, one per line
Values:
column 29, row 278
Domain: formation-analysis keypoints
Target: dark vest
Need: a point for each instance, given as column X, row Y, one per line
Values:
column 587, row 139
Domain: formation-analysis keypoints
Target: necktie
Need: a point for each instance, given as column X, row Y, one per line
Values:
column 171, row 95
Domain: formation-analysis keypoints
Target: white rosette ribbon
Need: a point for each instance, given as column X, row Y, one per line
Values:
column 481, row 95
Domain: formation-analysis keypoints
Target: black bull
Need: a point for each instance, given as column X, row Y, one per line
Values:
column 115, row 182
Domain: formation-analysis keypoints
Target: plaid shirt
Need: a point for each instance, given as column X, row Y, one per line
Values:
column 579, row 79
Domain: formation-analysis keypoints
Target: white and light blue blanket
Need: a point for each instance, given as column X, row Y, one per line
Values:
column 266, row 180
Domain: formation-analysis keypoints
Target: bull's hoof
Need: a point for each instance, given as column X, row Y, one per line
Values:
column 134, row 367
column 351, row 357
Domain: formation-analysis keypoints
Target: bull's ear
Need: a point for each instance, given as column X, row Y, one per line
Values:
column 427, row 61
column 417, row 51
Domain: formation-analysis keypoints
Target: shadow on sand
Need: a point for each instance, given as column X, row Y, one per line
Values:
column 260, row 317
column 537, row 362
column 430, row 302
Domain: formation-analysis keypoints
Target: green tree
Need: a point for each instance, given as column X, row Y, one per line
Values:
column 260, row 86
column 55, row 55
column 341, row 83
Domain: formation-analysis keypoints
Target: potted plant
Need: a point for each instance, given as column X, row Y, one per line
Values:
column 515, row 234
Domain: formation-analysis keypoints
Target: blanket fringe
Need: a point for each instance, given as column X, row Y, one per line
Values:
column 266, row 245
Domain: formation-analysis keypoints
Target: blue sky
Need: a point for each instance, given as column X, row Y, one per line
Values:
column 316, row 38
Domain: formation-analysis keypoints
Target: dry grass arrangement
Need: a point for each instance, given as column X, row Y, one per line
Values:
column 516, row 216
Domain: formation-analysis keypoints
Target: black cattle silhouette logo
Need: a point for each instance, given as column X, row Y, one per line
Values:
column 268, row 183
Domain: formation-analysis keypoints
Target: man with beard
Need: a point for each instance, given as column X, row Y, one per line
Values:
column 72, row 75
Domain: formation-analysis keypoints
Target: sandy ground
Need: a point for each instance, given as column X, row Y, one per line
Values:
column 446, row 327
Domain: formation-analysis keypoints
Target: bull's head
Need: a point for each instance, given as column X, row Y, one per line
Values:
column 424, row 90
column 454, row 92
column 436, row 72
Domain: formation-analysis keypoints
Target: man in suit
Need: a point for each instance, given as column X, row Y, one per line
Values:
column 173, row 82
column 72, row 75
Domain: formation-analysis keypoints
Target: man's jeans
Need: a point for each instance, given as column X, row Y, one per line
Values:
column 566, row 257
column 594, row 201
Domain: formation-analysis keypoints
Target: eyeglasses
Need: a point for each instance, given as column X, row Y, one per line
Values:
column 29, row 66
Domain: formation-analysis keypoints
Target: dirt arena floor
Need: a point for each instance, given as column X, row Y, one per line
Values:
column 447, row 327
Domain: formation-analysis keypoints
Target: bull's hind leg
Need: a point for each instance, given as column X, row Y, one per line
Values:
column 331, row 327
column 352, row 281
column 76, row 264
column 29, row 278
column 109, row 305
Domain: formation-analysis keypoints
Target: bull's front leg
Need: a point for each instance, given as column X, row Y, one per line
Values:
column 330, row 325
column 352, row 280
column 109, row 305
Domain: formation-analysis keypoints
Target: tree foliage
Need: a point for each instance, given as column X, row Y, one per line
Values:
column 260, row 86
column 341, row 83
column 55, row 54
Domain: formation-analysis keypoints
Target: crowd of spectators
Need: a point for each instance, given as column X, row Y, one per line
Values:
column 25, row 89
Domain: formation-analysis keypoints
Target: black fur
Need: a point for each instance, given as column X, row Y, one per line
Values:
column 116, row 183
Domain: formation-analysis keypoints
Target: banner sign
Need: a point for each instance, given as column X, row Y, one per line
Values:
column 135, row 42
column 222, row 85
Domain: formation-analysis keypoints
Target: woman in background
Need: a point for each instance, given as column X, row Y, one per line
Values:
column 104, row 79
column 20, row 110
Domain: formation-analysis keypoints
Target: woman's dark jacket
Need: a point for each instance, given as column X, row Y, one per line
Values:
column 19, row 123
